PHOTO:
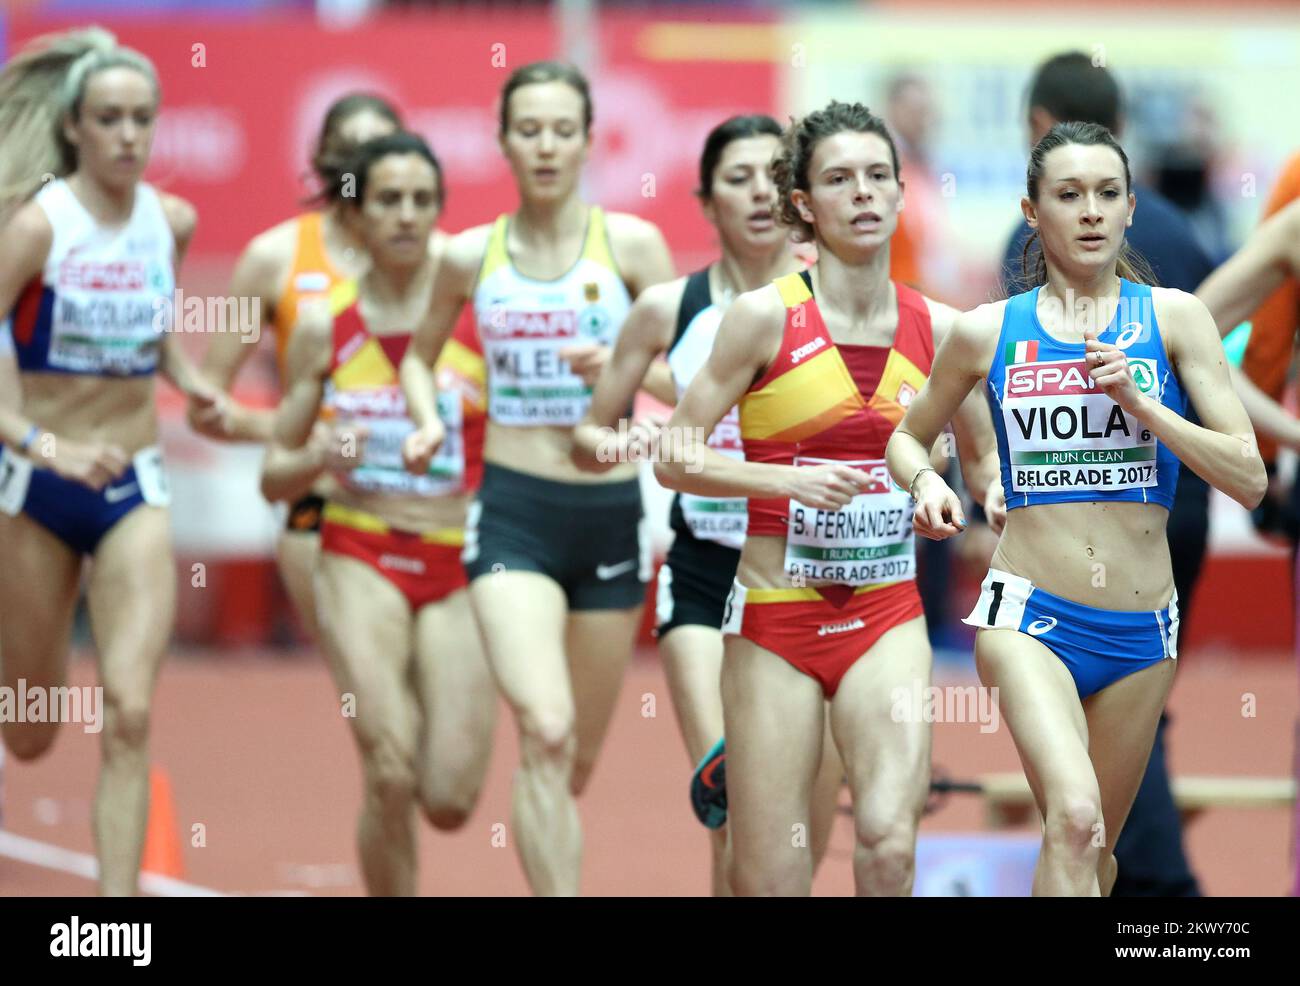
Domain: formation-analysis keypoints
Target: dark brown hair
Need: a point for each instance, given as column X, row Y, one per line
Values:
column 329, row 160
column 800, row 140
column 367, row 155
column 1131, row 265
column 733, row 128
column 536, row 72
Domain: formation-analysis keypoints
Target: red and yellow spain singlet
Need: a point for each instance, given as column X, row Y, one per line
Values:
column 363, row 388
column 821, row 402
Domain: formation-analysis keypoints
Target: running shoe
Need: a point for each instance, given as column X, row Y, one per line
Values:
column 709, row 787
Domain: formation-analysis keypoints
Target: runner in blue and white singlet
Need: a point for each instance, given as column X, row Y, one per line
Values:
column 88, row 260
column 1088, row 376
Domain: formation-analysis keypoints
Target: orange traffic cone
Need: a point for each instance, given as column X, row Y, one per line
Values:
column 162, row 843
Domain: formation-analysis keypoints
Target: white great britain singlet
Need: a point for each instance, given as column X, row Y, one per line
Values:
column 103, row 301
column 524, row 323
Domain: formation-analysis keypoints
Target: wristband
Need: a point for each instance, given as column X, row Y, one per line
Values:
column 912, row 485
column 33, row 433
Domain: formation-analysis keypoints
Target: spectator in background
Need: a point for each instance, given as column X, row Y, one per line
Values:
column 921, row 256
column 922, row 251
column 1068, row 87
column 1184, row 174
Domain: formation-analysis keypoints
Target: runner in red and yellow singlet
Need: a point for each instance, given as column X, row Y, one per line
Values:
column 824, row 606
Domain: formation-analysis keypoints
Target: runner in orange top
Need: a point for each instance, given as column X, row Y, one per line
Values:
column 308, row 257
column 824, row 605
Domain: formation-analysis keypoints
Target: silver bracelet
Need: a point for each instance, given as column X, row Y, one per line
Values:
column 912, row 485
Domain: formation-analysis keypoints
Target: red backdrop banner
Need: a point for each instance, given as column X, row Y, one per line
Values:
column 243, row 98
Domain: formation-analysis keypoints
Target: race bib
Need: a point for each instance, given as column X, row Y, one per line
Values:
column 528, row 382
column 152, row 477
column 867, row 542
column 381, row 469
column 110, row 318
column 1065, row 433
column 15, row 475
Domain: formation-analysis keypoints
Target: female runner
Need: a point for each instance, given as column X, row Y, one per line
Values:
column 1078, row 613
column 312, row 256
column 824, row 605
column 396, row 621
column 680, row 319
column 87, row 270
column 555, row 555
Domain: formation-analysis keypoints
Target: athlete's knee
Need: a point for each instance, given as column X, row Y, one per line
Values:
column 886, row 847
column 547, row 734
column 390, row 775
column 29, row 740
column 126, row 724
column 1074, row 823
column 777, row 875
column 448, row 806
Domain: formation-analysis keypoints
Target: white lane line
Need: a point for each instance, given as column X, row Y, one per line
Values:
column 86, row 866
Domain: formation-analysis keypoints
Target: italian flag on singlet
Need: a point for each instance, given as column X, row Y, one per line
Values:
column 1025, row 351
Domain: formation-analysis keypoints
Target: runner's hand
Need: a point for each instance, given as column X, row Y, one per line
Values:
column 209, row 414
column 1108, row 367
column 420, row 445
column 828, row 486
column 938, row 512
column 345, row 445
column 93, row 464
column 995, row 505
column 586, row 360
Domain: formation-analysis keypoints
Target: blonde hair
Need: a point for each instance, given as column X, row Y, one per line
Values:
column 42, row 86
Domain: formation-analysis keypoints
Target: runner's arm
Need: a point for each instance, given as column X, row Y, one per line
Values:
column 1254, row 272
column 293, row 463
column 646, row 333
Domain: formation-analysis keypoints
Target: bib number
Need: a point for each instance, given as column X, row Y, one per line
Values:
column 381, row 469
column 867, row 542
column 15, row 475
column 152, row 477
column 1065, row 434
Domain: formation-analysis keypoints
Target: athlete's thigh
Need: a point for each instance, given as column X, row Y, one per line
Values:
column 886, row 757
column 296, row 556
column 774, row 718
column 522, row 618
column 367, row 627
column 39, row 577
column 692, row 657
column 1037, row 699
column 132, row 599
column 454, row 686
column 1122, row 722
